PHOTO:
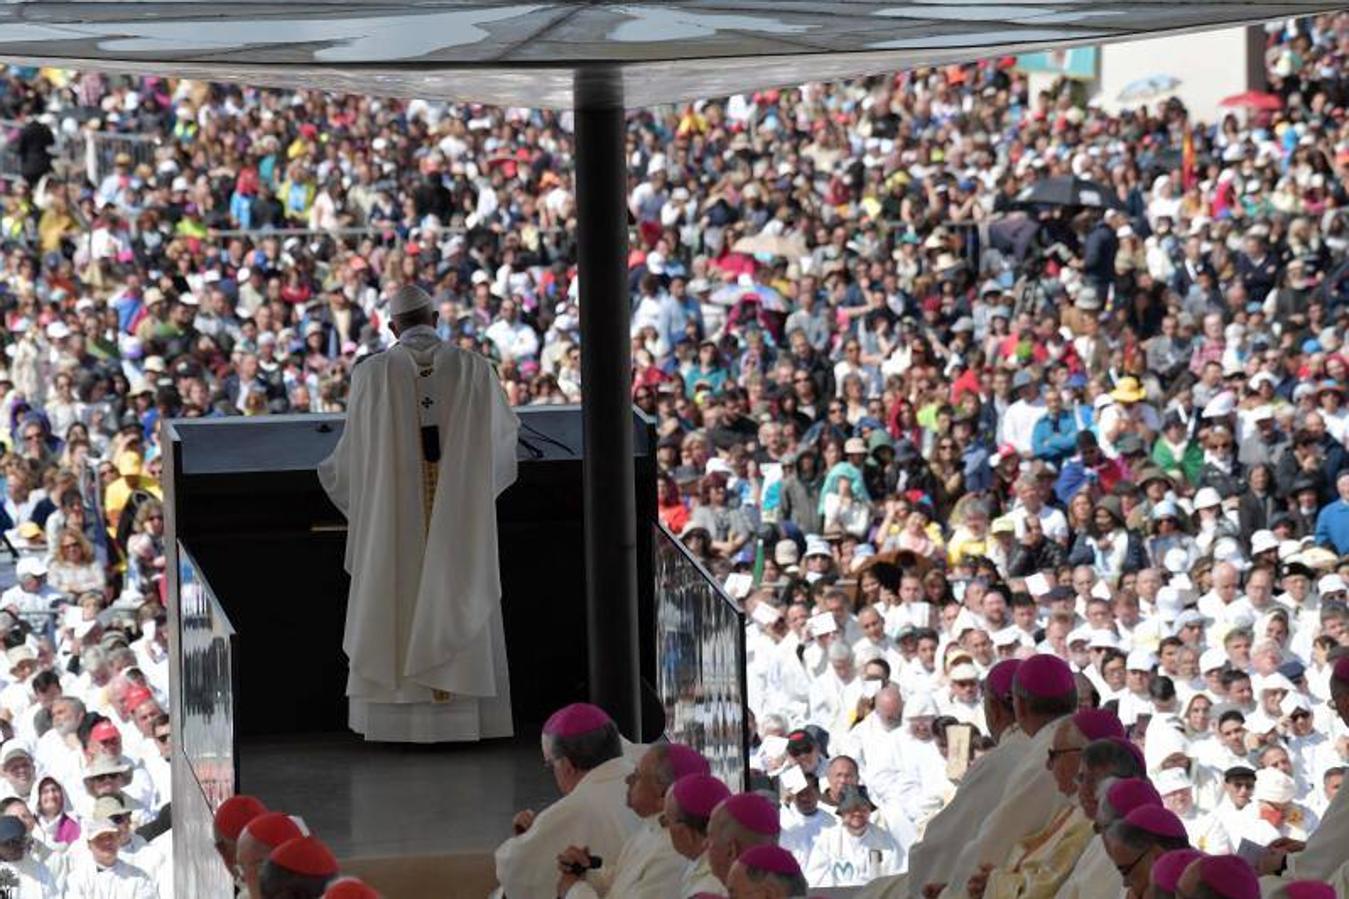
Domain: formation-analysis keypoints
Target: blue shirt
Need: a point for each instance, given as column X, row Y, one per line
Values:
column 1332, row 526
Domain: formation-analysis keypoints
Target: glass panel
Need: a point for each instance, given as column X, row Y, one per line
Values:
column 700, row 645
column 207, row 689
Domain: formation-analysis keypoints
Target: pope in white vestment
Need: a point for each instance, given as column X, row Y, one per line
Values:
column 423, row 632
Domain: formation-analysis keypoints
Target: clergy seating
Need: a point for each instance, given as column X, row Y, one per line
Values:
column 244, row 500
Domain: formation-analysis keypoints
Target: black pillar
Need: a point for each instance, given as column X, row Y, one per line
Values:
column 606, row 372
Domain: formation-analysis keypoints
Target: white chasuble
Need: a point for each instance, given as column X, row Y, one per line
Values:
column 423, row 632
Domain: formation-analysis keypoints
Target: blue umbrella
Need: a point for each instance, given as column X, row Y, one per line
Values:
column 1147, row 88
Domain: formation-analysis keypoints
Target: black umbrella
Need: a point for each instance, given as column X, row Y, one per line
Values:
column 1068, row 191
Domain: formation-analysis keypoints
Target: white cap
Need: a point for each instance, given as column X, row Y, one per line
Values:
column 1010, row 636
column 1170, row 603
column 13, row 748
column 1211, row 659
column 1331, row 583
column 1188, row 617
column 1140, row 660
column 1207, row 498
column 1263, row 541
column 1275, row 681
column 1294, row 701
column 1170, row 780
column 920, row 705
column 817, row 546
column 1288, row 549
column 30, row 566
column 1104, row 639
column 1272, row 785
column 58, row 330
column 1262, row 413
column 1176, row 560
column 409, row 298
column 1221, row 405
column 963, row 671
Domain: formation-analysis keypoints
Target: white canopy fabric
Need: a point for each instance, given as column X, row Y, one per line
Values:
column 527, row 54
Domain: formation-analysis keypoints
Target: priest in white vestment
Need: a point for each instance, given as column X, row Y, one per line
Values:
column 582, row 746
column 648, row 864
column 429, row 444
column 1043, row 692
column 1321, row 856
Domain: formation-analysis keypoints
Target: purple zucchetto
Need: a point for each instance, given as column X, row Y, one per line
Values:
column 685, row 760
column 1157, row 821
column 1098, row 724
column 1045, row 676
column 999, row 679
column 1229, row 876
column 1131, row 793
column 1168, row 867
column 1341, row 670
column 576, row 719
column 773, row 859
column 699, row 794
column 1309, row 889
column 754, row 813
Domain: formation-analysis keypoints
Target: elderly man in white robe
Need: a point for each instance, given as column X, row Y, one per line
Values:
column 979, row 792
column 647, row 865
column 688, row 814
column 582, row 746
column 429, row 444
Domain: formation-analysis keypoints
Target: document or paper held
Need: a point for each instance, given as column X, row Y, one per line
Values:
column 1250, row 851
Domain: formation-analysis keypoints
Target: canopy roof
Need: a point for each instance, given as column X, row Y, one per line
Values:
column 529, row 53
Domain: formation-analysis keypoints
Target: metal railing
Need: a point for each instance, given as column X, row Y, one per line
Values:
column 63, row 151
column 101, row 149
column 700, row 661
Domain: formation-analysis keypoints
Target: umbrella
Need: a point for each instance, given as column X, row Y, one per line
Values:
column 1065, row 190
column 1147, row 88
column 772, row 245
column 1258, row 100
column 769, row 298
column 735, row 264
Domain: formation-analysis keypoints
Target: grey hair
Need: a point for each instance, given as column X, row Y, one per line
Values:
column 794, row 884
column 1114, row 757
column 92, row 658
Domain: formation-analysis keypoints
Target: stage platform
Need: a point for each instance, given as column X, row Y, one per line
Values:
column 377, row 800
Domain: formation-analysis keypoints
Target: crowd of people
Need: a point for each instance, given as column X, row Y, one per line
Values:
column 940, row 427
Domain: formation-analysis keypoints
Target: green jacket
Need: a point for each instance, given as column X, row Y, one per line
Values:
column 1189, row 464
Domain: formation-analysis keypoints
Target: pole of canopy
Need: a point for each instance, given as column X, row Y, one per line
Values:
column 608, row 468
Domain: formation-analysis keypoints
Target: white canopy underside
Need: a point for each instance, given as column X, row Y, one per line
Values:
column 527, row 54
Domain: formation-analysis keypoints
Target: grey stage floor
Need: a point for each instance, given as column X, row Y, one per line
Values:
column 369, row 799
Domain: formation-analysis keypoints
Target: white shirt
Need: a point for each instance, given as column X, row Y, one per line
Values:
column 799, row 832
column 1018, row 424
column 840, row 859
column 647, row 867
column 122, row 881
column 35, row 881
